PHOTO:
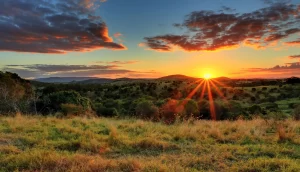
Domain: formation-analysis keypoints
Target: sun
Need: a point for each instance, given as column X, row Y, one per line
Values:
column 207, row 76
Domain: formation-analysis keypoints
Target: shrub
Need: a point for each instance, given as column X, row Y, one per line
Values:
column 221, row 111
column 71, row 109
column 255, row 109
column 54, row 101
column 296, row 113
column 272, row 107
column 106, row 112
column 204, row 112
column 170, row 110
column 147, row 110
column 235, row 110
column 190, row 108
column 253, row 99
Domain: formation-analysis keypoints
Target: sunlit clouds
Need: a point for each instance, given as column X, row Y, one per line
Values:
column 54, row 27
column 210, row 30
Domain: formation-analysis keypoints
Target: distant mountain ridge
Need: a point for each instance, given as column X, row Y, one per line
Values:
column 177, row 77
column 63, row 79
column 94, row 80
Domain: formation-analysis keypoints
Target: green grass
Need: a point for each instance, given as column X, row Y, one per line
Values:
column 101, row 144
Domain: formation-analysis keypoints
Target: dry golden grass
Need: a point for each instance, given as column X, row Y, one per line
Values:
column 101, row 144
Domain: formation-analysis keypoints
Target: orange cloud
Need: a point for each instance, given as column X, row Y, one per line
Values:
column 82, row 31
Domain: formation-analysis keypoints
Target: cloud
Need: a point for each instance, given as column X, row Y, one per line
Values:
column 209, row 30
column 294, row 57
column 63, row 68
column 227, row 9
column 40, row 26
column 119, row 62
column 117, row 35
column 287, row 70
column 293, row 43
column 43, row 70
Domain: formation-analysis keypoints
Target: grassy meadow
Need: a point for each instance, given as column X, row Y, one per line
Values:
column 36, row 143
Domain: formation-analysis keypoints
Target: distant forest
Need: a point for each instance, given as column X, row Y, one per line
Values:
column 165, row 99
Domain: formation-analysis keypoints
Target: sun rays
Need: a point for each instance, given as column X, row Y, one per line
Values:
column 208, row 86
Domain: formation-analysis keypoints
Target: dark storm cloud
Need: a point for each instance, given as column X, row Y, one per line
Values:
column 52, row 27
column 209, row 30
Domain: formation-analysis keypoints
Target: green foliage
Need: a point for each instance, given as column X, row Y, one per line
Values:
column 235, row 110
column 255, row 109
column 147, row 110
column 63, row 100
column 15, row 93
column 106, row 112
column 296, row 113
column 191, row 108
column 72, row 109
column 203, row 109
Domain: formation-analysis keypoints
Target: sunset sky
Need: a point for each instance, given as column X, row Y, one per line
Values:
column 150, row 38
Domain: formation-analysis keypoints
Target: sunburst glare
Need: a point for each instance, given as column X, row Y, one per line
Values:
column 207, row 76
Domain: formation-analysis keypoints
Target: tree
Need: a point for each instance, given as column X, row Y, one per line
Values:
column 191, row 108
column 235, row 110
column 204, row 112
column 15, row 93
column 54, row 100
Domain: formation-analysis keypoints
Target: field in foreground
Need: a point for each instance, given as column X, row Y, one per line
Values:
column 101, row 144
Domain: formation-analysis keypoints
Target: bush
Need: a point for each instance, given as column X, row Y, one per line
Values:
column 147, row 110
column 255, row 109
column 235, row 110
column 296, row 113
column 204, row 112
column 54, row 101
column 72, row 109
column 221, row 111
column 190, row 108
column 272, row 107
column 106, row 112
column 170, row 110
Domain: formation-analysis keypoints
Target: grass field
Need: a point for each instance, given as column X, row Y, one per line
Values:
column 101, row 144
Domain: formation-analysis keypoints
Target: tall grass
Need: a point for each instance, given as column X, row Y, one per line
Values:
column 102, row 144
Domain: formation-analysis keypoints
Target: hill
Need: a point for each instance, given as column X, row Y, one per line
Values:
column 63, row 79
column 177, row 77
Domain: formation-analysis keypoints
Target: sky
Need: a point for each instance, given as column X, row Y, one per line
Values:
column 150, row 38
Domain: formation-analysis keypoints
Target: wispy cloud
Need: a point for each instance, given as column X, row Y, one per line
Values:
column 287, row 70
column 118, row 62
column 293, row 43
column 53, row 27
column 42, row 70
column 294, row 57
